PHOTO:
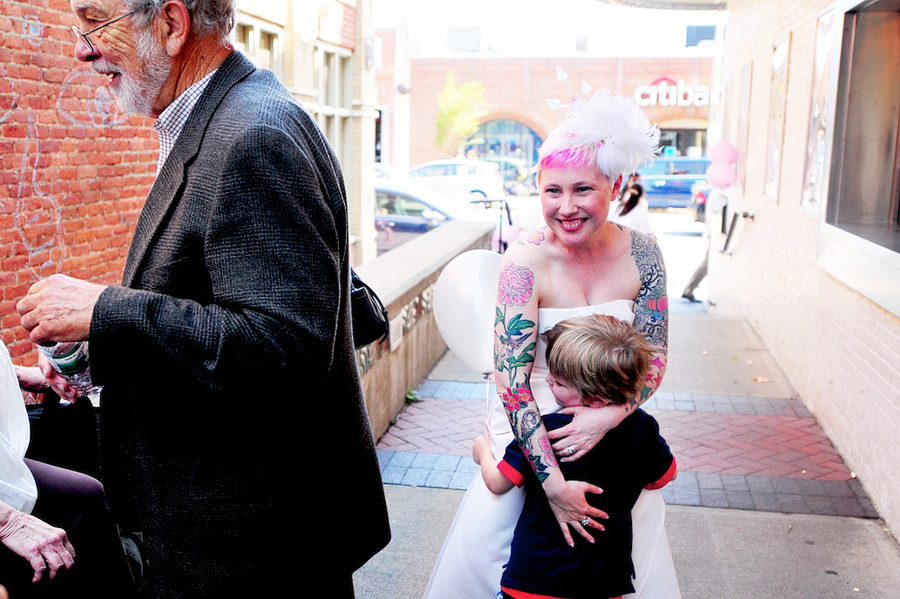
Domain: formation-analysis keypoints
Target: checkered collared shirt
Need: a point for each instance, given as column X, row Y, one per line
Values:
column 171, row 121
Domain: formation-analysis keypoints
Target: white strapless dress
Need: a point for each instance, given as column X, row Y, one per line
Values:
column 477, row 546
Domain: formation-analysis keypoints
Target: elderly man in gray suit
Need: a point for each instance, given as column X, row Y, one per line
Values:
column 231, row 327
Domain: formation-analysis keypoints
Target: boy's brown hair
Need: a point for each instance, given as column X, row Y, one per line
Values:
column 599, row 355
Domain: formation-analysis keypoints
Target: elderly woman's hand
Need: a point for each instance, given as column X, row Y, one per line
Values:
column 32, row 379
column 45, row 547
column 55, row 380
column 589, row 425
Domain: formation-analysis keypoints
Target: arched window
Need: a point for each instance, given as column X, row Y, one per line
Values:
column 513, row 146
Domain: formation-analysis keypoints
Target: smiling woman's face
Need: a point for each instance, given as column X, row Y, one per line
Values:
column 575, row 202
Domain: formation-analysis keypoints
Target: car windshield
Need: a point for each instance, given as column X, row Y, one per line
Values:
column 675, row 167
column 447, row 169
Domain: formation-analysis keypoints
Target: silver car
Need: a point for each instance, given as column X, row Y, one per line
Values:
column 462, row 177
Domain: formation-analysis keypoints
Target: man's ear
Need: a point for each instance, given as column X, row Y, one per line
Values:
column 175, row 21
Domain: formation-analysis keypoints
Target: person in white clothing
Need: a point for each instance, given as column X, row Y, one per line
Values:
column 57, row 537
column 578, row 264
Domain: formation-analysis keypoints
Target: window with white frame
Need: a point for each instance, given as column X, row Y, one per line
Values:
column 333, row 108
column 260, row 42
column 860, row 241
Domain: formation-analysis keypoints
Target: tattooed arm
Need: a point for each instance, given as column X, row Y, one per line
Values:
column 515, row 340
column 651, row 318
column 651, row 312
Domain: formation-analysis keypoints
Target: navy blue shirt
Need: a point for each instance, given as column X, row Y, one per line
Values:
column 628, row 458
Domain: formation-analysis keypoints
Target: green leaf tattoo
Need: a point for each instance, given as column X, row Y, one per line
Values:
column 512, row 349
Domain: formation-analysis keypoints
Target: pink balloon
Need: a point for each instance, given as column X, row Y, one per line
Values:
column 720, row 175
column 723, row 151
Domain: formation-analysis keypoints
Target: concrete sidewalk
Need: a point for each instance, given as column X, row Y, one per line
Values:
column 763, row 505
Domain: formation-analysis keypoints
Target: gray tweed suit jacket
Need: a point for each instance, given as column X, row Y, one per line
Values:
column 233, row 427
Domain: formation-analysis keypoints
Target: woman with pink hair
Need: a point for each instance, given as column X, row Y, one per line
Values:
column 578, row 263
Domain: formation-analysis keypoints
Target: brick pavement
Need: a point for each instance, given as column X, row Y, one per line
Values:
column 751, row 453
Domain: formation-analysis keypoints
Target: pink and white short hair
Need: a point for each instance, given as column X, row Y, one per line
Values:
column 608, row 132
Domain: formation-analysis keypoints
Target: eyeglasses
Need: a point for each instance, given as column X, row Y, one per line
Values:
column 83, row 35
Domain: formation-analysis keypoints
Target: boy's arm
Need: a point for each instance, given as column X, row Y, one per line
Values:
column 496, row 482
column 658, row 453
column 670, row 475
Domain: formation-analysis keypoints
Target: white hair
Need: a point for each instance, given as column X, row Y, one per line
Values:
column 208, row 17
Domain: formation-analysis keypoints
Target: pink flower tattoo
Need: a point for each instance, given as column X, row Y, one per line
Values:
column 514, row 335
column 535, row 237
column 516, row 285
column 517, row 398
column 546, row 448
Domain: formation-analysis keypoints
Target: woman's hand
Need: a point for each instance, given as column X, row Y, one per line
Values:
column 55, row 380
column 569, row 504
column 31, row 379
column 589, row 425
column 45, row 547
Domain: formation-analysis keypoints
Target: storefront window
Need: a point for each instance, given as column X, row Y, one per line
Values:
column 682, row 142
column 860, row 241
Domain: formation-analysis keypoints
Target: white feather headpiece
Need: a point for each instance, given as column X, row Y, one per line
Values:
column 623, row 136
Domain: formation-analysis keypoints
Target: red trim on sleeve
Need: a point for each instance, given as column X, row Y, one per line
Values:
column 511, row 473
column 666, row 478
column 525, row 595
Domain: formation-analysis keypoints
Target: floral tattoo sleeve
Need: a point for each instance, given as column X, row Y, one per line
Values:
column 515, row 342
column 651, row 311
column 515, row 288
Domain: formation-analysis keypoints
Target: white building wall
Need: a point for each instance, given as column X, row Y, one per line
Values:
column 840, row 350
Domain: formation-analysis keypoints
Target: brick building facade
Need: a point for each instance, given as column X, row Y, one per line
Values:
column 516, row 89
column 76, row 170
column 674, row 91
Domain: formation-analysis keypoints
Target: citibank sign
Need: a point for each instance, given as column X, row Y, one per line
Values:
column 665, row 91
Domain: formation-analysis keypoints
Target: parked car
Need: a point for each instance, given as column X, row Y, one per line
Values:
column 518, row 177
column 462, row 177
column 668, row 180
column 405, row 208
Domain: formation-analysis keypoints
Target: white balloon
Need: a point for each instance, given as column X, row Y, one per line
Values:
column 465, row 297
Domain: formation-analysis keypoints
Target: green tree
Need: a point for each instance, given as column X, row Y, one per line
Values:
column 460, row 110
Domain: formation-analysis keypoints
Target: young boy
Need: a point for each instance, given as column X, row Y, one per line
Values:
column 593, row 361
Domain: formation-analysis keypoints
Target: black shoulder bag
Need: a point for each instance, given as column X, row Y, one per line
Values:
column 370, row 317
column 65, row 434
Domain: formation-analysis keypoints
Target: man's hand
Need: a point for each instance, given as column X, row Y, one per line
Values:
column 45, row 547
column 59, row 308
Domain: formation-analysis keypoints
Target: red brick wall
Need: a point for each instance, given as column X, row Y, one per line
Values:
column 516, row 88
column 338, row 24
column 75, row 170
